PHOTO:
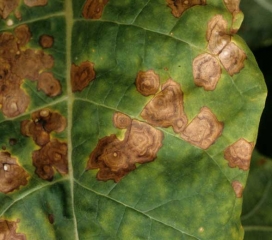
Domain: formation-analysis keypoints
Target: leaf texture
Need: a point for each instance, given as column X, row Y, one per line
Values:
column 127, row 120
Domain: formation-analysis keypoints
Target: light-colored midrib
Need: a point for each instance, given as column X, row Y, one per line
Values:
column 69, row 25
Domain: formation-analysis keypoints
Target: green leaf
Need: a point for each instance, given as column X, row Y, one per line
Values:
column 136, row 121
column 257, row 203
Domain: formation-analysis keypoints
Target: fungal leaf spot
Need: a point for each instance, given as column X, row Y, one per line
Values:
column 239, row 154
column 115, row 158
column 12, row 175
column 203, row 130
column 232, row 5
column 7, row 6
column 46, row 41
column 232, row 58
column 179, row 6
column 48, row 84
column 8, row 230
column 82, row 75
column 34, row 3
column 147, row 83
column 52, row 153
column 217, row 34
column 93, row 9
column 238, row 188
column 166, row 108
column 121, row 120
column 17, row 62
column 206, row 71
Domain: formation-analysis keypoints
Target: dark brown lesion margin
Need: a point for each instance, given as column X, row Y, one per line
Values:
column 116, row 158
column 93, row 9
column 180, row 6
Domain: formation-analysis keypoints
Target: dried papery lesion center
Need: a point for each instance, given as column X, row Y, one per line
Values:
column 203, row 130
column 239, row 154
column 148, row 82
column 166, row 108
column 12, row 175
column 116, row 158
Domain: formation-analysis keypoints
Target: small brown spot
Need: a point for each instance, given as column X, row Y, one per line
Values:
column 239, row 154
column 116, row 158
column 232, row 5
column 34, row 3
column 46, row 41
column 121, row 120
column 93, row 9
column 147, row 83
column 51, row 218
column 53, row 154
column 166, row 108
column 207, row 71
column 7, row 6
column 4, row 147
column 232, row 58
column 203, row 130
column 12, row 141
column 82, row 75
column 238, row 188
column 22, row 34
column 48, row 84
column 179, row 6
column 217, row 34
column 12, row 175
column 8, row 230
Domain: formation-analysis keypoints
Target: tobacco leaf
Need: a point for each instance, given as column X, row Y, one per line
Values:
column 118, row 123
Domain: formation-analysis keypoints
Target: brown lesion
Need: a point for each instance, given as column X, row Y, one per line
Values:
column 35, row 3
column 121, row 120
column 232, row 58
column 43, row 122
column 8, row 230
column 217, row 34
column 147, row 82
column 82, row 75
column 7, row 6
column 232, row 5
column 115, row 158
column 12, row 175
column 18, row 62
column 46, row 41
column 52, row 153
column 93, row 9
column 238, row 188
column 166, row 108
column 206, row 71
column 49, row 84
column 179, row 6
column 51, row 156
column 203, row 130
column 239, row 154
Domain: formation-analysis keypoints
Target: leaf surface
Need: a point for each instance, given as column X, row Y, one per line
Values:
column 178, row 165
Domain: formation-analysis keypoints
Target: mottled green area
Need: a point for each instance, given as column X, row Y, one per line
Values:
column 257, row 199
column 186, row 192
